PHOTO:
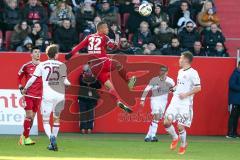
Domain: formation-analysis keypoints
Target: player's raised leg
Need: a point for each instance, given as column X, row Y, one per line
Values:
column 108, row 84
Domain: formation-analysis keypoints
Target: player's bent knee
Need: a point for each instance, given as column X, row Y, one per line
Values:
column 167, row 123
column 157, row 117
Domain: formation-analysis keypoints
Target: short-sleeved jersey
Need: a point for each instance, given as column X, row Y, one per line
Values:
column 26, row 72
column 159, row 88
column 186, row 81
column 53, row 73
column 96, row 44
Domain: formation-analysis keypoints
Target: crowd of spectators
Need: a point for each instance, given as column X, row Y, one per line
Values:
column 174, row 25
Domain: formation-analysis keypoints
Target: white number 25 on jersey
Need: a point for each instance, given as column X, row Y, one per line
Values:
column 94, row 43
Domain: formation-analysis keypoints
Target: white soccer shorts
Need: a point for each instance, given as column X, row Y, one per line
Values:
column 182, row 114
column 158, row 106
column 52, row 104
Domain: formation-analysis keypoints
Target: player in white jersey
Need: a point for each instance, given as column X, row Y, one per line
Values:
column 180, row 109
column 54, row 78
column 160, row 87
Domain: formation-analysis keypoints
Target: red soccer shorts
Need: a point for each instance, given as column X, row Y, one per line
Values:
column 101, row 68
column 32, row 103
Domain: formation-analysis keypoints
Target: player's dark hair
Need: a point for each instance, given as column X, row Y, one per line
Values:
column 164, row 68
column 188, row 55
column 100, row 24
column 52, row 50
column 175, row 37
column 34, row 48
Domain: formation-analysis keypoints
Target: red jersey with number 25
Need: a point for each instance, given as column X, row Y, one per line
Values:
column 96, row 44
column 26, row 72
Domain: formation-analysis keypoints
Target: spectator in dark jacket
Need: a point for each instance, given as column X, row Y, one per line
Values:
column 134, row 20
column 108, row 13
column 188, row 36
column 158, row 16
column 20, row 33
column 198, row 50
column 184, row 7
column 84, row 16
column 35, row 13
column 11, row 15
column 26, row 46
column 87, row 99
column 234, row 103
column 163, row 35
column 39, row 36
column 66, row 36
column 143, row 36
column 219, row 51
column 174, row 49
column 125, row 6
column 210, row 38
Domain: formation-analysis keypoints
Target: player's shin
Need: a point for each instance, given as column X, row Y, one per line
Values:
column 183, row 137
column 154, row 127
column 171, row 130
column 27, row 126
column 55, row 128
column 46, row 126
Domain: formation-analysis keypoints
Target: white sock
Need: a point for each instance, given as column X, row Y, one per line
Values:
column 55, row 129
column 183, row 137
column 47, row 129
column 172, row 132
column 149, row 131
column 154, row 127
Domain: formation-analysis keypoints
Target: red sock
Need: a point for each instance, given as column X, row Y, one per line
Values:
column 27, row 126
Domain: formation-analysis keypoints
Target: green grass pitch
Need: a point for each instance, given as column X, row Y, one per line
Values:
column 118, row 146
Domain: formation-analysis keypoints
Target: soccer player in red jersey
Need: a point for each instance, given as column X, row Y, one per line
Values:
column 33, row 95
column 100, row 63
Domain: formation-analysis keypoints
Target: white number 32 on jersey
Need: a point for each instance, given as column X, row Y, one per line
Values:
column 94, row 43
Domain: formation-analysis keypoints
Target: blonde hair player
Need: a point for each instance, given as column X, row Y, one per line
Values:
column 180, row 109
column 54, row 78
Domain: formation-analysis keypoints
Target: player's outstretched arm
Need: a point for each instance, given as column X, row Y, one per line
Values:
column 77, row 48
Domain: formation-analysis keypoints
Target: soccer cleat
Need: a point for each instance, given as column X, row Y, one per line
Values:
column 21, row 140
column 174, row 144
column 154, row 139
column 147, row 139
column 50, row 147
column 182, row 150
column 53, row 143
column 132, row 82
column 29, row 141
column 124, row 107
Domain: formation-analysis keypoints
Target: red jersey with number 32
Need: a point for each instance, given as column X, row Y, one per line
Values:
column 26, row 72
column 96, row 44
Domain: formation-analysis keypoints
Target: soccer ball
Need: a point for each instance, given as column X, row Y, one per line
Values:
column 145, row 9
